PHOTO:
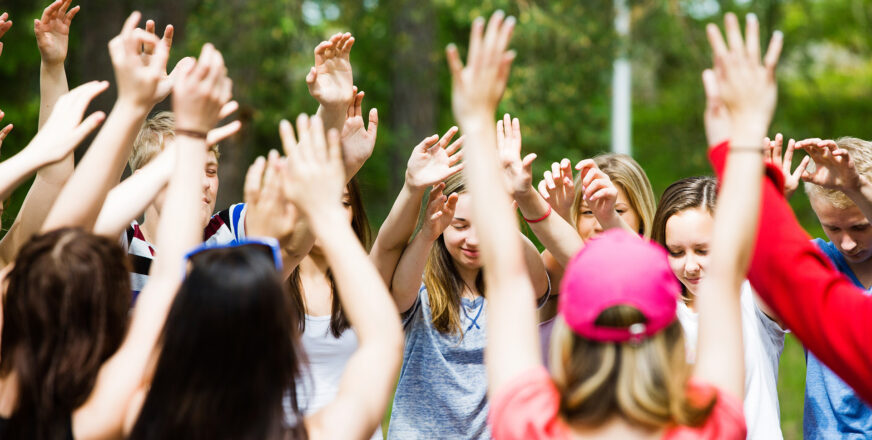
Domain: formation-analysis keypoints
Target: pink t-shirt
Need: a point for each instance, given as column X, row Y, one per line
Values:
column 527, row 409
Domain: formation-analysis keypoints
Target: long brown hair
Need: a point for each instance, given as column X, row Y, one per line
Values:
column 64, row 314
column 643, row 383
column 442, row 280
column 360, row 225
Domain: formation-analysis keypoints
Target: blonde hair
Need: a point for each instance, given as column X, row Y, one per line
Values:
column 643, row 383
column 860, row 152
column 627, row 173
column 150, row 141
column 442, row 280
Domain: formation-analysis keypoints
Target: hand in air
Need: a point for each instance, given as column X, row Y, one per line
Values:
column 268, row 213
column 517, row 172
column 558, row 188
column 201, row 91
column 773, row 155
column 476, row 88
column 65, row 129
column 358, row 141
column 137, row 76
column 5, row 24
column 330, row 81
column 434, row 160
column 833, row 167
column 314, row 174
column 439, row 212
column 599, row 192
column 53, row 31
column 165, row 86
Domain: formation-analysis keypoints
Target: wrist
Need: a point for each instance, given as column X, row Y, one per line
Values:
column 475, row 122
column 52, row 67
column 322, row 219
column 862, row 191
column 412, row 187
column 130, row 107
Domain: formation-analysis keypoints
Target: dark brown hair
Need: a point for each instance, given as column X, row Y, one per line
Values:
column 360, row 225
column 64, row 314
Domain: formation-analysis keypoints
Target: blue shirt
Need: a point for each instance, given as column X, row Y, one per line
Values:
column 442, row 391
column 832, row 409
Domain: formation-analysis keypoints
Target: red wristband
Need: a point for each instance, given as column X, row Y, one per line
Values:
column 540, row 218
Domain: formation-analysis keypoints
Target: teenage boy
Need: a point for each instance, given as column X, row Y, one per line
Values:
column 834, row 183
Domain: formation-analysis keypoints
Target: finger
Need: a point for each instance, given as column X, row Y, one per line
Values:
column 556, row 174
column 446, row 138
column 456, row 158
column 491, row 34
column 219, row 134
column 253, row 181
column 5, row 131
column 800, row 170
column 455, row 146
column 516, row 132
column 372, row 129
column 168, row 34
column 86, row 127
column 428, row 142
column 319, row 140
column 566, row 168
column 358, row 102
column 788, row 156
column 149, row 26
column 72, row 13
column 752, row 37
column 770, row 60
column 716, row 41
column 451, row 204
column 734, row 34
column 543, row 189
column 228, row 109
column 527, row 162
column 454, row 170
column 603, row 194
column 454, row 63
column 585, row 165
column 286, row 133
column 712, row 93
column 549, row 180
column 829, row 144
column 507, row 126
column 130, row 24
column 475, row 41
column 776, row 148
column 593, row 174
column 501, row 135
column 310, row 78
column 304, row 134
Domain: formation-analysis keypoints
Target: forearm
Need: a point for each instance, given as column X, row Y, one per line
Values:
column 535, row 266
column 130, row 198
column 395, row 232
column 862, row 197
column 52, row 84
column 299, row 247
column 99, row 170
column 820, row 305
column 15, row 170
column 558, row 236
column 409, row 272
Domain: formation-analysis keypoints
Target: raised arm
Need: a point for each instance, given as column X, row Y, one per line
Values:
column 513, row 344
column 558, row 236
column 746, row 87
column 330, row 81
column 358, row 140
column 316, row 172
column 198, row 96
column 138, row 79
column 431, row 162
column 52, row 36
column 834, row 169
column 557, row 187
column 409, row 271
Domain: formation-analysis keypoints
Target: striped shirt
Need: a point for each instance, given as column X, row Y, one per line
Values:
column 224, row 227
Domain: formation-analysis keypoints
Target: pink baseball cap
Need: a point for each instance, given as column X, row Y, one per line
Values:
column 618, row 268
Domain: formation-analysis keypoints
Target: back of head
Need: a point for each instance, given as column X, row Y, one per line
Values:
column 626, row 172
column 687, row 193
column 618, row 349
column 229, row 353
column 860, row 152
column 65, row 313
column 152, row 138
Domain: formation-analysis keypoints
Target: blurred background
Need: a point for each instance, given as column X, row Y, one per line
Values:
column 561, row 85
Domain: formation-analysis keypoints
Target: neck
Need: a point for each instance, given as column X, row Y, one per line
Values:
column 313, row 264
column 863, row 272
column 468, row 276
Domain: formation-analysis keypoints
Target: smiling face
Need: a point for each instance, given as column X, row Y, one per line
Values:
column 208, row 184
column 460, row 238
column 688, row 234
column 847, row 228
column 588, row 226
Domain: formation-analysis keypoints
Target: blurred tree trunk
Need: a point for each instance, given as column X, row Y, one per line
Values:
column 414, row 102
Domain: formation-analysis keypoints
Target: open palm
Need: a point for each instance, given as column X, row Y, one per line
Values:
column 53, row 31
column 330, row 81
column 432, row 162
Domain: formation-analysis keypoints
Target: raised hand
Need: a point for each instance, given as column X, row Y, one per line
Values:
column 558, row 188
column 166, row 83
column 357, row 140
column 138, row 76
column 833, row 169
column 716, row 117
column 791, row 177
column 65, row 129
column 434, row 160
column 745, row 84
column 268, row 214
column 330, row 81
column 477, row 88
column 314, row 174
column 53, row 31
column 517, row 172
column 5, row 131
column 439, row 212
column 600, row 193
column 5, row 24
column 200, row 93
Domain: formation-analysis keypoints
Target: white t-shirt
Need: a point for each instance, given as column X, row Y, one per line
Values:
column 764, row 341
column 327, row 356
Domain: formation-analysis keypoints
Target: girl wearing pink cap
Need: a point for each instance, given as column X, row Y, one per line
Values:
column 618, row 360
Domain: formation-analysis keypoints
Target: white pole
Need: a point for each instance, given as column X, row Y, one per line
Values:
column 621, row 83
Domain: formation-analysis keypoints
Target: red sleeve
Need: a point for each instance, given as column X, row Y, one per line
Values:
column 830, row 315
column 527, row 408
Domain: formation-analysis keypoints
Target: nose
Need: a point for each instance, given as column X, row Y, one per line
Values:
column 691, row 264
column 207, row 183
column 597, row 227
column 848, row 243
column 471, row 238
